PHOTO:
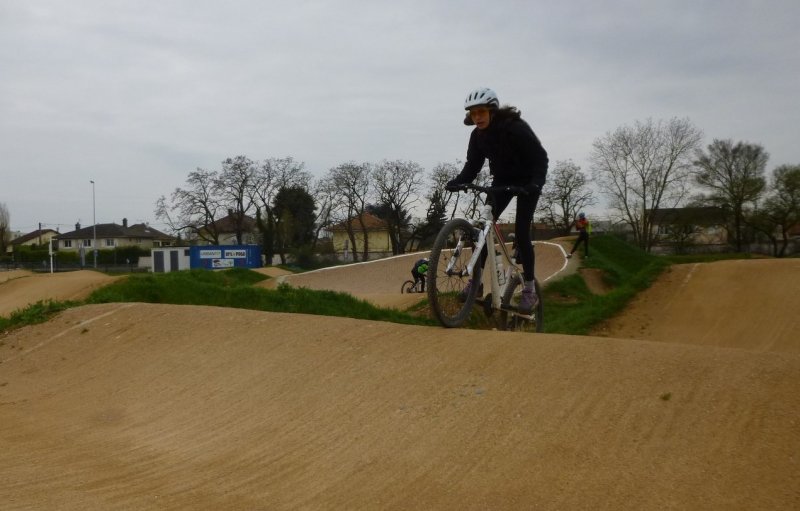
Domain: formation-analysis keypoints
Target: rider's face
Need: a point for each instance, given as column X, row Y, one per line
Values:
column 481, row 116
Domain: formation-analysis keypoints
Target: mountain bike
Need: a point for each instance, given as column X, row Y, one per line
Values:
column 455, row 260
column 410, row 287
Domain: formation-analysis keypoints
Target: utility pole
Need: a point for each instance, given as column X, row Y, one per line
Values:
column 94, row 225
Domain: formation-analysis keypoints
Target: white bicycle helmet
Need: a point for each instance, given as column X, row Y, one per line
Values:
column 481, row 96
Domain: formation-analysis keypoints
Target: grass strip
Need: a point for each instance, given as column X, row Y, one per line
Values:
column 570, row 307
column 234, row 288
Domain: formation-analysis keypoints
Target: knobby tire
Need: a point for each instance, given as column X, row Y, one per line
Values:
column 444, row 289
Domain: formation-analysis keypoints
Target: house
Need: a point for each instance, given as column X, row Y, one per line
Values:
column 680, row 228
column 377, row 233
column 37, row 238
column 226, row 229
column 111, row 236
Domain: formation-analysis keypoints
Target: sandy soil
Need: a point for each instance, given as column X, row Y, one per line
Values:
column 141, row 406
column 735, row 304
column 20, row 288
column 379, row 282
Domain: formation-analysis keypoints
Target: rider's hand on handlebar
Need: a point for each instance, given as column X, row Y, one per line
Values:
column 453, row 186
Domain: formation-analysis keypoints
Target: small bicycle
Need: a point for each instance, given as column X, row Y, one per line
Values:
column 455, row 259
column 410, row 287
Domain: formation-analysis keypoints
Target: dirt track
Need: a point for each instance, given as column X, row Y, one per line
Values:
column 379, row 281
column 21, row 288
column 734, row 304
column 139, row 406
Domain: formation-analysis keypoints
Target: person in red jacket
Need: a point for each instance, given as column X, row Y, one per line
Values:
column 584, row 228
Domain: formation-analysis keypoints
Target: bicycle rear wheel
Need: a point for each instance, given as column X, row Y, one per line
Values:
column 511, row 321
column 408, row 287
column 452, row 249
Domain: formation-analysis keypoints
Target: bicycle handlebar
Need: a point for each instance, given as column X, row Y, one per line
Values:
column 516, row 190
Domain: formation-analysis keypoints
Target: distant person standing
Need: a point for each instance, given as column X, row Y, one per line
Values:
column 584, row 228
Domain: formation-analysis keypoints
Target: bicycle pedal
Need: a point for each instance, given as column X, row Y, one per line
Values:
column 522, row 314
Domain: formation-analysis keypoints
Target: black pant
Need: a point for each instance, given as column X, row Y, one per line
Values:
column 526, row 205
column 583, row 236
column 417, row 277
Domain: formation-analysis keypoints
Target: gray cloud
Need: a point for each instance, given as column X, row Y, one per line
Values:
column 137, row 94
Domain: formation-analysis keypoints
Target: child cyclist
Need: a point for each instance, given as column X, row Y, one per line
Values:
column 516, row 158
column 419, row 270
column 584, row 228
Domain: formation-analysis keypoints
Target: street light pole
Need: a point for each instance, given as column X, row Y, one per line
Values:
column 94, row 225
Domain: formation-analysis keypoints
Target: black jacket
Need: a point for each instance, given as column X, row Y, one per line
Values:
column 515, row 154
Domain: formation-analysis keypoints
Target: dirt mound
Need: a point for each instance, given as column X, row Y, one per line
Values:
column 26, row 288
column 749, row 304
column 595, row 280
column 138, row 406
column 272, row 271
column 379, row 281
column 14, row 274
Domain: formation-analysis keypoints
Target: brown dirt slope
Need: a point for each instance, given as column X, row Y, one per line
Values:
column 142, row 406
column 139, row 406
column 749, row 304
column 379, row 281
column 25, row 288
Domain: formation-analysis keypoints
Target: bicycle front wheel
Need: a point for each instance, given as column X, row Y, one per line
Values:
column 509, row 320
column 450, row 301
column 408, row 287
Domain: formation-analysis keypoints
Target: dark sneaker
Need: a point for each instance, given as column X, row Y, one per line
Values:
column 528, row 301
column 465, row 292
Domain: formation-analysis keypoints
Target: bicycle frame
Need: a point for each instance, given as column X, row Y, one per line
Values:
column 487, row 238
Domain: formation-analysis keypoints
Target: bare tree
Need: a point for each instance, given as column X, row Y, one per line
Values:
column 234, row 188
column 565, row 194
column 438, row 197
column 397, row 185
column 734, row 175
column 645, row 167
column 5, row 228
column 473, row 202
column 454, row 202
column 349, row 185
column 422, row 231
column 781, row 208
column 193, row 210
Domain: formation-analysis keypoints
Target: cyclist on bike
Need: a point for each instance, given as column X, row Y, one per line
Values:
column 516, row 158
column 418, row 271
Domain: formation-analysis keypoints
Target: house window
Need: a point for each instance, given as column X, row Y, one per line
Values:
column 67, row 243
column 87, row 243
column 109, row 242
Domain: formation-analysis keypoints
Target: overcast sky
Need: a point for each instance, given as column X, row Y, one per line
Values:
column 136, row 94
